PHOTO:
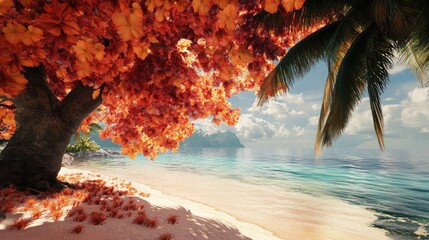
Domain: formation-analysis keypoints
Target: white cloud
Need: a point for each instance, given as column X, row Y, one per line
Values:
column 209, row 127
column 250, row 128
column 282, row 131
column 294, row 98
column 299, row 131
column 419, row 95
column 415, row 117
column 278, row 110
column 412, row 112
column 281, row 107
column 415, row 113
column 315, row 106
column 296, row 113
column 391, row 115
column 362, row 123
column 314, row 120
column 361, row 120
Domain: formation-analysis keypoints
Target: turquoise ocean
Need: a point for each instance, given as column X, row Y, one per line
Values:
column 392, row 184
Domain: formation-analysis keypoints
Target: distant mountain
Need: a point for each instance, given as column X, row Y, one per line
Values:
column 201, row 139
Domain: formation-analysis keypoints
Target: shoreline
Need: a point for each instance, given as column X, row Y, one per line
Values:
column 301, row 215
column 202, row 208
column 194, row 220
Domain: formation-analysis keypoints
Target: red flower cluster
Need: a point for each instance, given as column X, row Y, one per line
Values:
column 163, row 63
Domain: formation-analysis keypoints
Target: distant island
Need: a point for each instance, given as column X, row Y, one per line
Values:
column 201, row 139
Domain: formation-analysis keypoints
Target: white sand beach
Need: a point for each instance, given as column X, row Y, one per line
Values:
column 203, row 211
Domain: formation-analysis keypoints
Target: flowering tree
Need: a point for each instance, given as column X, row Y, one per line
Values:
column 144, row 68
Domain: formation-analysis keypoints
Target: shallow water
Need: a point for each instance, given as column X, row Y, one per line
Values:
column 395, row 184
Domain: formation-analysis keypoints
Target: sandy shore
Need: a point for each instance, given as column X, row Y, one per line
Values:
column 203, row 207
column 164, row 216
column 288, row 215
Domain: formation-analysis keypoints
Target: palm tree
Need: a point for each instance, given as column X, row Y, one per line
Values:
column 82, row 142
column 359, row 42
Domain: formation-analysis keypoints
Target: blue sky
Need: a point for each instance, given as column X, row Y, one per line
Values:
column 290, row 120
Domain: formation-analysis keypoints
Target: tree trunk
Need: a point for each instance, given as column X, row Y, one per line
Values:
column 32, row 158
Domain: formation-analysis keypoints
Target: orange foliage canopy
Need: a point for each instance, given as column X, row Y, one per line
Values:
column 162, row 62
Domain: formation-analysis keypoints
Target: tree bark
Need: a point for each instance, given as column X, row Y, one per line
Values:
column 32, row 158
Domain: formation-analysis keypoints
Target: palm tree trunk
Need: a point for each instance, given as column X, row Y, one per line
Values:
column 32, row 158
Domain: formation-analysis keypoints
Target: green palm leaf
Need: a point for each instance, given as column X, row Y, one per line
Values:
column 379, row 62
column 381, row 12
column 271, row 22
column 416, row 53
column 326, row 104
column 396, row 17
column 411, row 10
column 398, row 27
column 359, row 51
column 314, row 12
column 349, row 86
column 297, row 62
column 348, row 30
column 417, row 61
column 95, row 128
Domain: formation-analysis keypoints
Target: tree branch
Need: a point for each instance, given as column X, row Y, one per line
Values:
column 11, row 107
column 38, row 93
column 79, row 103
column 4, row 99
column 36, row 77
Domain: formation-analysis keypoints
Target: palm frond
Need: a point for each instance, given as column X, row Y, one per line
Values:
column 95, row 127
column 347, row 31
column 411, row 10
column 326, row 104
column 378, row 63
column 297, row 62
column 395, row 17
column 315, row 11
column 351, row 25
column 271, row 22
column 417, row 61
column 416, row 53
column 400, row 21
column 349, row 86
column 381, row 12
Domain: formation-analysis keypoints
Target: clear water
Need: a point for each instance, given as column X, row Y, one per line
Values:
column 394, row 184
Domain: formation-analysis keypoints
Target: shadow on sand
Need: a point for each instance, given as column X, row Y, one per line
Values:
column 119, row 209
